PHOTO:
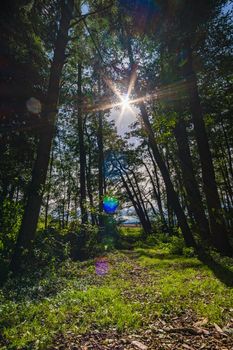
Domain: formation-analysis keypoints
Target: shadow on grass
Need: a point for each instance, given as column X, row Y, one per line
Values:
column 141, row 252
column 223, row 273
column 165, row 259
column 39, row 282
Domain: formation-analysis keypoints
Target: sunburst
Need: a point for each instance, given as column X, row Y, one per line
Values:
column 126, row 101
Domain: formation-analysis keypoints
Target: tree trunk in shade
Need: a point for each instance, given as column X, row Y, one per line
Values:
column 217, row 224
column 172, row 195
column 31, row 214
column 190, row 183
column 48, row 194
column 82, row 152
column 100, row 166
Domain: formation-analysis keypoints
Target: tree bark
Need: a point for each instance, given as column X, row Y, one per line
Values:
column 172, row 195
column 137, row 208
column 31, row 214
column 100, row 164
column 190, row 183
column 68, row 199
column 82, row 152
column 159, row 197
column 217, row 224
column 142, row 201
column 89, row 185
column 48, row 194
column 228, row 148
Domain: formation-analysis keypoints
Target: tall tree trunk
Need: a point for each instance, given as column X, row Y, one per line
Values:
column 82, row 151
column 226, row 181
column 88, row 176
column 137, row 207
column 228, row 148
column 100, row 164
column 79, row 245
column 158, row 199
column 31, row 214
column 217, row 225
column 172, row 166
column 48, row 194
column 170, row 215
column 190, row 183
column 135, row 200
column 152, row 206
column 142, row 201
column 224, row 169
column 172, row 195
column 68, row 199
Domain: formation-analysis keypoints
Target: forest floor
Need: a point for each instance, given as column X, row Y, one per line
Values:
column 140, row 299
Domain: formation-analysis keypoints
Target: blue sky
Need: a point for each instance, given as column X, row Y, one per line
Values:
column 228, row 6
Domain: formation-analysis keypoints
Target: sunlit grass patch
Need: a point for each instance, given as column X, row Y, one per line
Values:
column 130, row 231
column 73, row 310
column 72, row 298
column 138, row 288
column 129, row 236
column 162, row 258
column 185, row 284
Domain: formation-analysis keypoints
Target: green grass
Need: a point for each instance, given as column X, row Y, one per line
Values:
column 69, row 310
column 186, row 284
column 130, row 236
column 139, row 286
column 130, row 231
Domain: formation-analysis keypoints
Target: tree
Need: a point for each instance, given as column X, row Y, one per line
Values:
column 35, row 193
column 82, row 151
column 173, row 198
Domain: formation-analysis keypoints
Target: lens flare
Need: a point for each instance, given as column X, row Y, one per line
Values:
column 110, row 205
column 101, row 266
column 33, row 105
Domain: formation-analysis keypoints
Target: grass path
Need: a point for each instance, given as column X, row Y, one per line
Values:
column 141, row 299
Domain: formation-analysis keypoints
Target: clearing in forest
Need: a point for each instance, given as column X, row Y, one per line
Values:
column 140, row 299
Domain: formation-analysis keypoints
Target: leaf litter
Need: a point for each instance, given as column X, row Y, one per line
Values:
column 171, row 332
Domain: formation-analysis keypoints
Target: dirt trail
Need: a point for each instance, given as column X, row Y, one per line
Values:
column 169, row 333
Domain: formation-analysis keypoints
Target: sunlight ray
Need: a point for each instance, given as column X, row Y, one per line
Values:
column 171, row 91
column 125, row 102
column 132, row 81
column 113, row 88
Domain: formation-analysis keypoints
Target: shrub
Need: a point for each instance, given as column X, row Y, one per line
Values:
column 176, row 245
column 151, row 240
column 189, row 252
column 51, row 245
column 11, row 214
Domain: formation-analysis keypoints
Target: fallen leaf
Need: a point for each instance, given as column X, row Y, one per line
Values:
column 139, row 345
column 186, row 346
column 218, row 329
column 203, row 331
column 190, row 330
column 201, row 322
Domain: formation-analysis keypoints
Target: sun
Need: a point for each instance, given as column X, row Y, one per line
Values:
column 125, row 101
column 125, row 105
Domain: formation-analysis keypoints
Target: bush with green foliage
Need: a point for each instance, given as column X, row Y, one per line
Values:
column 11, row 215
